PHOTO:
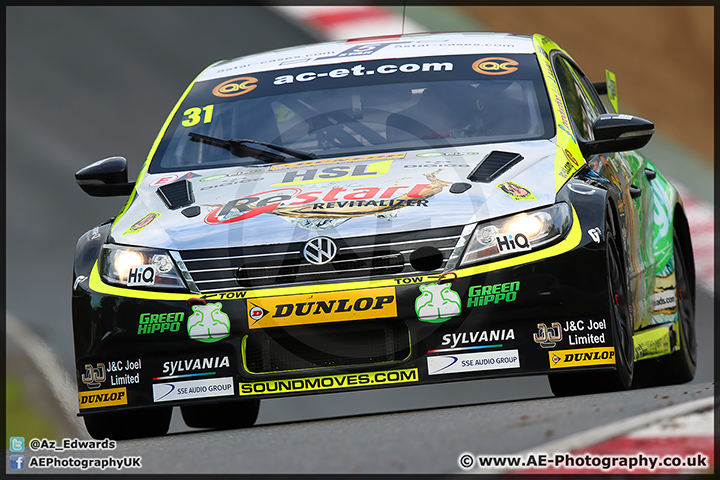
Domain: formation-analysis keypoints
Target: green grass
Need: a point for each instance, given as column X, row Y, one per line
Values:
column 20, row 419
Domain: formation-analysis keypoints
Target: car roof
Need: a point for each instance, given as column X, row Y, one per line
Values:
column 373, row 48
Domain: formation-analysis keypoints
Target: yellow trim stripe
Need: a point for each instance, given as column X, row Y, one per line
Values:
column 570, row 242
column 564, row 166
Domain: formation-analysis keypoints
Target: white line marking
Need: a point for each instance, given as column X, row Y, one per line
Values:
column 696, row 424
column 48, row 363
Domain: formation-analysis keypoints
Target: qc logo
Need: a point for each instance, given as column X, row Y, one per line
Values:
column 235, row 86
column 570, row 157
column 495, row 66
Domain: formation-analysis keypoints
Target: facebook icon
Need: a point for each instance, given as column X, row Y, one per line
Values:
column 17, row 462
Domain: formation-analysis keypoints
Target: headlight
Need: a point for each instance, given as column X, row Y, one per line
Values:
column 518, row 233
column 139, row 267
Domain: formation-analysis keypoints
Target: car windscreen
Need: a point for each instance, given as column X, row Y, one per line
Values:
column 359, row 108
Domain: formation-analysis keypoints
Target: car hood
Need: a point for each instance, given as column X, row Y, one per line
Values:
column 335, row 197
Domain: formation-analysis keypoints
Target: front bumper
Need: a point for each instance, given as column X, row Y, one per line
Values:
column 543, row 312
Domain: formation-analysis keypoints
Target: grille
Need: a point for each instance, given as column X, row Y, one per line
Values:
column 310, row 347
column 493, row 165
column 215, row 270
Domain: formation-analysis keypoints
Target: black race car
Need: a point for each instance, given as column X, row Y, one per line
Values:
column 377, row 213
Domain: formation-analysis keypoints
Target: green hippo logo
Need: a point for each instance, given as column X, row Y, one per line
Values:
column 208, row 323
column 437, row 303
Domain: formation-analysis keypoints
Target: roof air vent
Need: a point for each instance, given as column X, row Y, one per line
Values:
column 177, row 194
column 493, row 165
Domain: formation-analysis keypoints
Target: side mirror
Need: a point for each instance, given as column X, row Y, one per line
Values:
column 105, row 178
column 618, row 133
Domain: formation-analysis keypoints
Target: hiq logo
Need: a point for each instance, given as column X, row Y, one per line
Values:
column 17, row 462
column 17, row 444
column 512, row 243
column 144, row 275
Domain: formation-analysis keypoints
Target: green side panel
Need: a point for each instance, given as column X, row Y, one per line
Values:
column 664, row 199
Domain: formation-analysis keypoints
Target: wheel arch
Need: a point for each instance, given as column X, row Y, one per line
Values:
column 611, row 202
column 682, row 227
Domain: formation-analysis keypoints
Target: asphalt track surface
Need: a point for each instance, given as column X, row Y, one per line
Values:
column 85, row 83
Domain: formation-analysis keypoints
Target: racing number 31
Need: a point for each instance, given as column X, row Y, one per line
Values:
column 193, row 115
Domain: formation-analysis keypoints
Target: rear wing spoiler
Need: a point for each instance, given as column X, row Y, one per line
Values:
column 608, row 88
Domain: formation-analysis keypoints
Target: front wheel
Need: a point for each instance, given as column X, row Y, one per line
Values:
column 580, row 383
column 151, row 422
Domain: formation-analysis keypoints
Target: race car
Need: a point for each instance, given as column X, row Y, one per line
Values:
column 377, row 213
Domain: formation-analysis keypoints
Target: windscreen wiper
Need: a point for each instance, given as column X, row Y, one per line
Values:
column 243, row 147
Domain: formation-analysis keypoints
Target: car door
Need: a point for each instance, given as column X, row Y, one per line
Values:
column 628, row 169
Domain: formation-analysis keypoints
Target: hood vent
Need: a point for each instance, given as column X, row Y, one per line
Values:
column 177, row 194
column 493, row 165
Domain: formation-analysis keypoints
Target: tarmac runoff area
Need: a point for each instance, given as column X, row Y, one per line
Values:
column 655, row 433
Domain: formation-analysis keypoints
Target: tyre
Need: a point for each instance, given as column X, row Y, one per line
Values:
column 581, row 383
column 236, row 414
column 151, row 422
column 680, row 366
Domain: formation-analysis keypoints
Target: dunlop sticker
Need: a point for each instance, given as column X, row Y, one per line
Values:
column 582, row 357
column 103, row 398
column 322, row 307
column 329, row 382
